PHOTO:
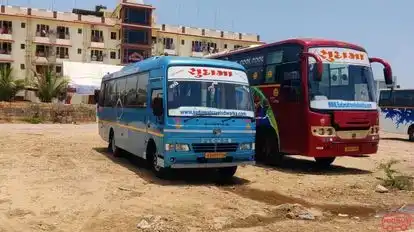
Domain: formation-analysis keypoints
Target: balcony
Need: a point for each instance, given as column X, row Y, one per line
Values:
column 6, row 33
column 42, row 55
column 170, row 49
column 42, row 37
column 97, row 58
column 97, row 42
column 61, row 58
column 5, row 55
column 63, row 39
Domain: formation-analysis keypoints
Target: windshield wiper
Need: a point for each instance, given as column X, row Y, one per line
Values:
column 234, row 116
column 190, row 117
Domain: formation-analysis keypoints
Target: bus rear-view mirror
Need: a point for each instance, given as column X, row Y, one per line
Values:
column 387, row 70
column 319, row 64
column 96, row 95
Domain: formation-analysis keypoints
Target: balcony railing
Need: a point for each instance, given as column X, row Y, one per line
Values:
column 5, row 52
column 97, row 58
column 43, row 54
column 97, row 39
column 63, row 36
column 6, row 30
column 42, row 33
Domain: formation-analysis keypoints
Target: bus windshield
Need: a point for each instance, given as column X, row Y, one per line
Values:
column 347, row 76
column 342, row 82
column 209, row 98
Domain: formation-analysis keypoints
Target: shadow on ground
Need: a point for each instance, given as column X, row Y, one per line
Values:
column 294, row 165
column 178, row 177
column 396, row 139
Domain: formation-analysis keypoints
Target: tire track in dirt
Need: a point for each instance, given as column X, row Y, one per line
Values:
column 275, row 198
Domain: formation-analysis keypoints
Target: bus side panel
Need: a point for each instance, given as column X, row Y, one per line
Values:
column 134, row 122
column 394, row 120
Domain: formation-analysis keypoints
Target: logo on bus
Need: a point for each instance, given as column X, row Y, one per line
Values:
column 332, row 56
column 200, row 72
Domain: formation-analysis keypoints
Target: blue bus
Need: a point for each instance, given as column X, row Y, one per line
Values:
column 179, row 112
column 397, row 111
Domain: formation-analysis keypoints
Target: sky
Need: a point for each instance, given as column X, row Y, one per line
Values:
column 384, row 28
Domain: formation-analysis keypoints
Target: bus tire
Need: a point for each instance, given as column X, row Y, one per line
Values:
column 267, row 146
column 324, row 162
column 152, row 160
column 112, row 148
column 227, row 172
column 411, row 133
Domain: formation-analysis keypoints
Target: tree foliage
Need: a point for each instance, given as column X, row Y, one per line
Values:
column 9, row 85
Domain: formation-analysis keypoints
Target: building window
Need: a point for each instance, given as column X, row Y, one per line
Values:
column 23, row 46
column 42, row 51
column 183, row 30
column 5, row 48
column 237, row 46
column 22, row 66
column 203, row 32
column 97, row 36
column 79, row 30
column 97, row 55
column 136, row 37
column 6, row 27
column 137, row 16
column 168, row 43
column 182, row 42
column 62, row 52
column 119, row 53
column 42, row 30
column 113, row 55
column 225, row 46
column 240, row 36
column 113, row 35
column 198, row 46
column 163, row 27
column 58, row 69
column 23, row 25
column 79, row 51
column 222, row 34
column 62, row 32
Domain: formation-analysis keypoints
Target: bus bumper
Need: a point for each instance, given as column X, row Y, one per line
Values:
column 332, row 149
column 212, row 165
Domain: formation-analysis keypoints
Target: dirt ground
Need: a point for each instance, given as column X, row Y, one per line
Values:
column 60, row 178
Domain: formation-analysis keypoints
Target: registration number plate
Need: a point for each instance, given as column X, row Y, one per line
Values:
column 215, row 155
column 351, row 149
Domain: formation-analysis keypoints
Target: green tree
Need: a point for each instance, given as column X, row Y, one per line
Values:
column 49, row 85
column 9, row 86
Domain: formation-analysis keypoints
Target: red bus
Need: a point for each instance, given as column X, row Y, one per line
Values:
column 313, row 97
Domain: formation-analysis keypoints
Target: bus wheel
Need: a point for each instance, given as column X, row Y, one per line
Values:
column 227, row 172
column 272, row 154
column 411, row 134
column 324, row 162
column 112, row 148
column 159, row 171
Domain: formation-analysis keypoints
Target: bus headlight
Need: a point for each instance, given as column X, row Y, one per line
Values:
column 182, row 147
column 247, row 146
column 322, row 131
column 177, row 147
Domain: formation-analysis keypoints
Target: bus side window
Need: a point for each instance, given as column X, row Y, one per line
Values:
column 273, row 59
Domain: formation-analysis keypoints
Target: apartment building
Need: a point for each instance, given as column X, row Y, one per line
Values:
column 197, row 42
column 30, row 38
